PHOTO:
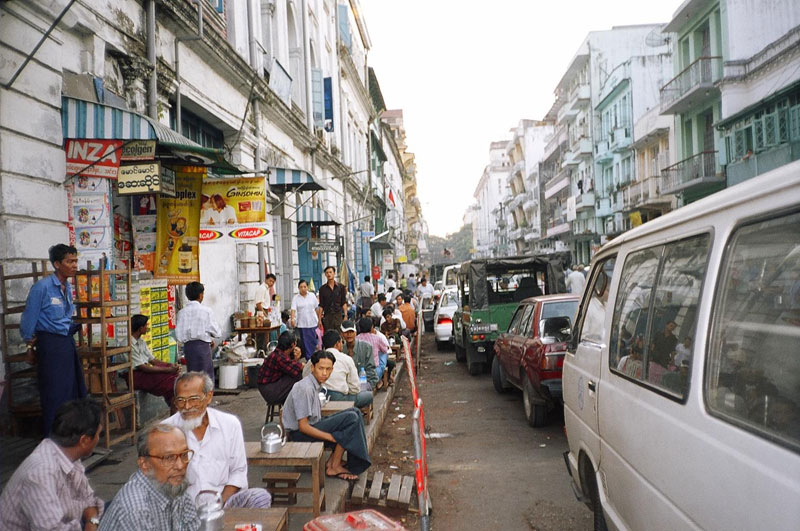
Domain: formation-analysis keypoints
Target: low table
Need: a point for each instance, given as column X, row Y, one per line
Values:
column 336, row 406
column 272, row 519
column 295, row 454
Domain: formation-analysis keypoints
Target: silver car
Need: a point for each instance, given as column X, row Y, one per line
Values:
column 443, row 318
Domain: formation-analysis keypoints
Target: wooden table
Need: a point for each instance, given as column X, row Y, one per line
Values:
column 256, row 330
column 272, row 519
column 295, row 454
column 396, row 350
column 336, row 406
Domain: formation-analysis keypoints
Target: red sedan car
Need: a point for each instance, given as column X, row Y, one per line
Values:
column 530, row 354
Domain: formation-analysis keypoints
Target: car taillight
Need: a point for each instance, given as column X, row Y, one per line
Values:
column 552, row 361
column 444, row 320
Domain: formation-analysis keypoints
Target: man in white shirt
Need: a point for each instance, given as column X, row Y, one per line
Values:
column 263, row 295
column 196, row 329
column 343, row 384
column 390, row 284
column 424, row 289
column 377, row 308
column 219, row 463
column 576, row 280
column 366, row 293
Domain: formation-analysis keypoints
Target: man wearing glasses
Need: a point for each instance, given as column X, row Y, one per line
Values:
column 155, row 496
column 216, row 437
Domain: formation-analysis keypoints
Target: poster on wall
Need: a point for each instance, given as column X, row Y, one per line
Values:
column 153, row 302
column 90, row 223
column 177, row 229
column 233, row 209
column 143, row 228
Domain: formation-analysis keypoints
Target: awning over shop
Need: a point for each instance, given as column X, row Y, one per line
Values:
column 316, row 216
column 287, row 180
column 85, row 119
column 381, row 241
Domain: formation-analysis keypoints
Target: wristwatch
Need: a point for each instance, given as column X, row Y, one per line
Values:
column 94, row 520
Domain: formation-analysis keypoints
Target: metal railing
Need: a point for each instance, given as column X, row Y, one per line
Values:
column 705, row 70
column 701, row 166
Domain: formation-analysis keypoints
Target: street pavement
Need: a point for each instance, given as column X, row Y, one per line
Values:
column 487, row 468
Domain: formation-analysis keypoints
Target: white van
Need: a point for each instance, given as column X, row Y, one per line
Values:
column 682, row 381
column 450, row 276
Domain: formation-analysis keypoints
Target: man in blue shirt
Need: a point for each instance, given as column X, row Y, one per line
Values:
column 47, row 328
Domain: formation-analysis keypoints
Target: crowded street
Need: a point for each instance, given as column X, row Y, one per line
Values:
column 272, row 265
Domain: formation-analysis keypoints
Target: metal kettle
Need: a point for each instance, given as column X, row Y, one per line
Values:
column 272, row 441
column 209, row 510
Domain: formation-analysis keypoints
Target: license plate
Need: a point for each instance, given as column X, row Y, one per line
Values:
column 483, row 328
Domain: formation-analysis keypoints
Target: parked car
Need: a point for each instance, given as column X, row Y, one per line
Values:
column 428, row 309
column 682, row 375
column 530, row 353
column 443, row 318
column 488, row 301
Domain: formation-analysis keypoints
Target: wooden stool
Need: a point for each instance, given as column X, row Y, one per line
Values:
column 273, row 411
column 295, row 454
column 282, row 486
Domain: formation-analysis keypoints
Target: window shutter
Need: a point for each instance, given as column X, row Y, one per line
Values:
column 770, row 129
column 758, row 134
column 317, row 97
column 794, row 122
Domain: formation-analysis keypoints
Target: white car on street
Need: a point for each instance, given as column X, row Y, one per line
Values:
column 443, row 318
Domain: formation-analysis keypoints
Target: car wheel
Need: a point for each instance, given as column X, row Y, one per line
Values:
column 534, row 413
column 498, row 377
column 461, row 354
column 594, row 496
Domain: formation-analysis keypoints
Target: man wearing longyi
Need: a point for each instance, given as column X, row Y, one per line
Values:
column 47, row 327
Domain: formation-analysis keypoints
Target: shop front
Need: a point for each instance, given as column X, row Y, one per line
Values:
column 143, row 197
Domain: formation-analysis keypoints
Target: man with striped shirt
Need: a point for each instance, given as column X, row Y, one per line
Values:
column 50, row 490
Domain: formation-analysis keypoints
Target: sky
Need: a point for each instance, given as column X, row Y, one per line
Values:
column 466, row 72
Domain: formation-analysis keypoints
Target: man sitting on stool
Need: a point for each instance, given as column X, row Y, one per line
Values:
column 216, row 438
column 149, row 374
column 302, row 418
column 343, row 384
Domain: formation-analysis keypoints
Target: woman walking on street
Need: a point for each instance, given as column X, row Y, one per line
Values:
column 305, row 318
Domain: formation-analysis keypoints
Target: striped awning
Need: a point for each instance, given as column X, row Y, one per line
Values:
column 316, row 216
column 86, row 119
column 286, row 180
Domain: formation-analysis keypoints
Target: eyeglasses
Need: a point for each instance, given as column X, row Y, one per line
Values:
column 172, row 459
column 189, row 401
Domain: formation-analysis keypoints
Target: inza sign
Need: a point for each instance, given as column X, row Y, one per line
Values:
column 101, row 156
column 145, row 179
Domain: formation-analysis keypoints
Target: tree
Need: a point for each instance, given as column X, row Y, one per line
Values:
column 453, row 248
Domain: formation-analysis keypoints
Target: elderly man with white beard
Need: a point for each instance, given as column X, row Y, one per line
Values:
column 155, row 496
column 216, row 437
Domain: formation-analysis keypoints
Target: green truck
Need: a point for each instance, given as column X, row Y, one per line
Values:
column 490, row 290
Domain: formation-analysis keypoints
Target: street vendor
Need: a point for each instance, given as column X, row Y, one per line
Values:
column 302, row 418
column 149, row 374
column 47, row 328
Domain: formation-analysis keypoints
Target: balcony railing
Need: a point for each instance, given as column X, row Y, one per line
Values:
column 584, row 201
column 530, row 203
column 519, row 166
column 697, row 170
column 698, row 76
column 579, row 95
column 516, row 201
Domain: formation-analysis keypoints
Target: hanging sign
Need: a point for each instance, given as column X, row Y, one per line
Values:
column 323, row 246
column 177, row 231
column 139, row 150
column 233, row 209
column 145, row 179
column 93, row 158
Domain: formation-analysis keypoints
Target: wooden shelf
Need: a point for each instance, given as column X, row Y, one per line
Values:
column 98, row 304
column 100, row 320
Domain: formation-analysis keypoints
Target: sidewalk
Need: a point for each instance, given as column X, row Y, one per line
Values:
column 108, row 477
